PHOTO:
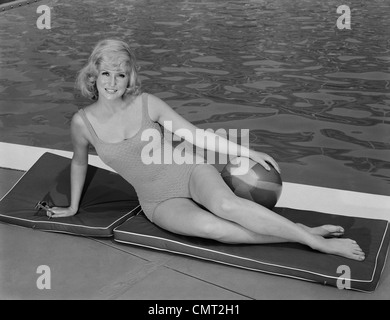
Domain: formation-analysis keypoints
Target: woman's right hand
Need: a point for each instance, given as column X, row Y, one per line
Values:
column 58, row 212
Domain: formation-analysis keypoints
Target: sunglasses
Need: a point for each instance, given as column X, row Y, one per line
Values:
column 44, row 206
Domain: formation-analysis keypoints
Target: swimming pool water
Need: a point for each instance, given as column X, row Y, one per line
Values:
column 315, row 97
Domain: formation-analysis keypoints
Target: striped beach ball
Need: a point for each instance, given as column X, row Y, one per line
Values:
column 254, row 183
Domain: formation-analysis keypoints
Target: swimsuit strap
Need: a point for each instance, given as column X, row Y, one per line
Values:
column 145, row 109
column 88, row 124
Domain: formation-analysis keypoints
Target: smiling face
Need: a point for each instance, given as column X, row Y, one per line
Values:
column 111, row 72
column 112, row 83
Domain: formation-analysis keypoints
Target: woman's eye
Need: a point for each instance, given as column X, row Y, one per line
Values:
column 122, row 75
column 105, row 73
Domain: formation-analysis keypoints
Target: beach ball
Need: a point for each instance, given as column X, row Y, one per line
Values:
column 250, row 180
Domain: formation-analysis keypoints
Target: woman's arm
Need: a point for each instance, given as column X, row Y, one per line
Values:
column 172, row 121
column 78, row 170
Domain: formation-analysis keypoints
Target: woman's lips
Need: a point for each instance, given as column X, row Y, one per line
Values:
column 111, row 90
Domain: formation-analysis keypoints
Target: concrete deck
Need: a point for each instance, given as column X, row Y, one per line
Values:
column 88, row 268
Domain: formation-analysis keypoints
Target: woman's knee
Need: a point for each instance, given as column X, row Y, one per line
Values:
column 227, row 205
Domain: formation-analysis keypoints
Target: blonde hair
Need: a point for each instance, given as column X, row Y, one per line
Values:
column 116, row 54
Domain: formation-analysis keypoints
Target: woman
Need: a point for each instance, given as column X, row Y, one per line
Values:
column 187, row 199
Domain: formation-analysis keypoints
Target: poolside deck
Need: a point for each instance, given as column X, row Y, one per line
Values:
column 88, row 268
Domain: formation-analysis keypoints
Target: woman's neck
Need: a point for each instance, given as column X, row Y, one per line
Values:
column 114, row 106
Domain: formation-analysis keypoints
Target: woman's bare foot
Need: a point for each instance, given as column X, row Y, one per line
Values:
column 326, row 231
column 342, row 247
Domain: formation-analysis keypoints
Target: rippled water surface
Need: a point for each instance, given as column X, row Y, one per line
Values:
column 315, row 97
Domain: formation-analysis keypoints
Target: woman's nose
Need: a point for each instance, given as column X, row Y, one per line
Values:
column 112, row 80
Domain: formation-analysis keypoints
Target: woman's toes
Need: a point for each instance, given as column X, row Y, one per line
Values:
column 338, row 229
column 359, row 252
column 334, row 231
column 362, row 257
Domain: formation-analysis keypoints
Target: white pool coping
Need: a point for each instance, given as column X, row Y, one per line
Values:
column 297, row 196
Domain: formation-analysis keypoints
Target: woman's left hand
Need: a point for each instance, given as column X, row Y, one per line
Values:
column 264, row 159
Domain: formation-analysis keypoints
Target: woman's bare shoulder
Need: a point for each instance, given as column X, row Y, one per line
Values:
column 78, row 123
column 156, row 107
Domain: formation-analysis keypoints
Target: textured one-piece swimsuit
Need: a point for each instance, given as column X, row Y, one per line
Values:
column 153, row 183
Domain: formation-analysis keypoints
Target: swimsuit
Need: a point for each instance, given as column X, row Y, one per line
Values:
column 153, row 183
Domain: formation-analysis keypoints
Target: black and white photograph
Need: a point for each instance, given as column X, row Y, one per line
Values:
column 194, row 156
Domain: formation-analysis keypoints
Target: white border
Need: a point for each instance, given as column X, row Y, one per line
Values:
column 296, row 196
column 20, row 157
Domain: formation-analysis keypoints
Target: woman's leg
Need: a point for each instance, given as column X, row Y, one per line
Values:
column 185, row 217
column 209, row 189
